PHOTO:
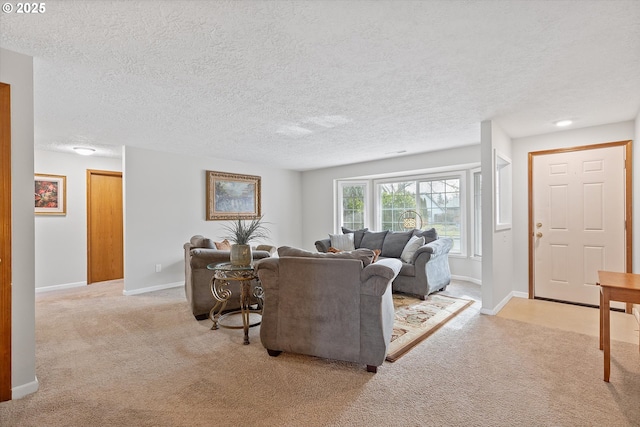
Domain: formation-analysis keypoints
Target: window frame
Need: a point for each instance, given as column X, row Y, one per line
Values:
column 475, row 225
column 339, row 208
column 460, row 175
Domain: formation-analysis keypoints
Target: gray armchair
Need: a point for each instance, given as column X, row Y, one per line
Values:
column 198, row 253
column 335, row 306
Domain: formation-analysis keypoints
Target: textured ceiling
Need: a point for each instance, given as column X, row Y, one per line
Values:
column 310, row 84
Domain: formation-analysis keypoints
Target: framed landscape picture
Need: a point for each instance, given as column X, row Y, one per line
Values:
column 232, row 196
column 50, row 195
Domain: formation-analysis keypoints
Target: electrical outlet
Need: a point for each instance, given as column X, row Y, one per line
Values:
column 158, row 268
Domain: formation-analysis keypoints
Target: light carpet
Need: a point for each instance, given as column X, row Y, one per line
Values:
column 104, row 359
column 417, row 319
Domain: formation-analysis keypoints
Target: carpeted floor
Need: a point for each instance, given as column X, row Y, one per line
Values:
column 104, row 359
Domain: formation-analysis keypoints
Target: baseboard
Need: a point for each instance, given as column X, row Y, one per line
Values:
column 497, row 308
column 152, row 288
column 58, row 287
column 467, row 279
column 25, row 389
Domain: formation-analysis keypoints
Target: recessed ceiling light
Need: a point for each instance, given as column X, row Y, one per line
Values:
column 84, row 151
column 562, row 123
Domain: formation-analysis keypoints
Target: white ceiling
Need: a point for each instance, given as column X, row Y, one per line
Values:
column 309, row 84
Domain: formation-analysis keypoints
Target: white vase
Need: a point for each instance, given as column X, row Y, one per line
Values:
column 241, row 255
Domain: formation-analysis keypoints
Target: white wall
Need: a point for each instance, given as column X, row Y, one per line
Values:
column 318, row 193
column 61, row 241
column 17, row 71
column 497, row 246
column 164, row 203
column 636, row 190
column 569, row 138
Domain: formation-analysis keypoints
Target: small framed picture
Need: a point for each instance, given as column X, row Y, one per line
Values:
column 50, row 196
column 232, row 196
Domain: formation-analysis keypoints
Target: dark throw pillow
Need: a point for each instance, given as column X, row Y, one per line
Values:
column 429, row 235
column 372, row 240
column 394, row 243
column 357, row 235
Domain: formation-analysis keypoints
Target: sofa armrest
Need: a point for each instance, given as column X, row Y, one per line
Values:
column 201, row 257
column 267, row 248
column 377, row 276
column 267, row 270
column 323, row 245
column 439, row 246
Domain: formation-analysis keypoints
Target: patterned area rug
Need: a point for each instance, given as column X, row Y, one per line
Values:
column 417, row 319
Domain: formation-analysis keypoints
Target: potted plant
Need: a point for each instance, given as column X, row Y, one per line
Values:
column 241, row 233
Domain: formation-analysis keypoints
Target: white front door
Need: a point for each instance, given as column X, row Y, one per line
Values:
column 578, row 221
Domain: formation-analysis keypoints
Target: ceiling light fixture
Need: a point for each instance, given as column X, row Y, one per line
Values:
column 84, row 151
column 562, row 123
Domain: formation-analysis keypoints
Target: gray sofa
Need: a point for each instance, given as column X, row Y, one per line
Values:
column 428, row 270
column 335, row 306
column 199, row 252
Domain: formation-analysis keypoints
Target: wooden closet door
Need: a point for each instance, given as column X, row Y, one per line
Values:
column 105, row 249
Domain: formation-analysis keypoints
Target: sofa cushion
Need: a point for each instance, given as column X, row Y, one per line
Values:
column 343, row 242
column 394, row 243
column 364, row 255
column 410, row 249
column 357, row 235
column 199, row 241
column 372, row 240
column 429, row 235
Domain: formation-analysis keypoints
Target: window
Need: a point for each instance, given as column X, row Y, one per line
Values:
column 395, row 200
column 437, row 201
column 353, row 204
column 440, row 206
column 477, row 213
column 502, row 178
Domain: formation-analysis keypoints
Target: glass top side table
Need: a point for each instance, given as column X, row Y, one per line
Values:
column 223, row 275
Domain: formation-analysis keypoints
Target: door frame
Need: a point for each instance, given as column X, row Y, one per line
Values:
column 628, row 200
column 90, row 173
column 5, row 244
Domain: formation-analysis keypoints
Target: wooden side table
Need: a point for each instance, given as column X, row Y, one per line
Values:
column 225, row 274
column 624, row 287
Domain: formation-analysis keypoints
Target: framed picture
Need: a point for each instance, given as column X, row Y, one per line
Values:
column 50, row 196
column 232, row 196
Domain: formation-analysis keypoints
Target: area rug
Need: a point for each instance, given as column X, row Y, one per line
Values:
column 416, row 319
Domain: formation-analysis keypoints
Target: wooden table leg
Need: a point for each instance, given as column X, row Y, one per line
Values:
column 606, row 314
column 601, row 316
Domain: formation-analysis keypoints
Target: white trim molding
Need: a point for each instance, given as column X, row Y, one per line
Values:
column 25, row 389
column 500, row 306
column 62, row 286
column 153, row 288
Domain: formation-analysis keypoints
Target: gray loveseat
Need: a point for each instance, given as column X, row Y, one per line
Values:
column 428, row 270
column 199, row 252
column 335, row 306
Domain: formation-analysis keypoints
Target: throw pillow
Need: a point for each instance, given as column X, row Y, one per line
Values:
column 344, row 242
column 394, row 243
column 376, row 254
column 357, row 235
column 429, row 235
column 410, row 249
column 223, row 246
column 373, row 240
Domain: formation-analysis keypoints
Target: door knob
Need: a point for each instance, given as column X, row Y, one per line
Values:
column 538, row 234
column 538, row 225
